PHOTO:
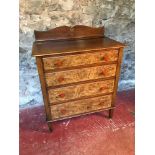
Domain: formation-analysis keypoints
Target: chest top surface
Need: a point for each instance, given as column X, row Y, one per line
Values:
column 71, row 39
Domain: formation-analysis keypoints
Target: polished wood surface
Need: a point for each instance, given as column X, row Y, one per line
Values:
column 74, row 92
column 80, row 106
column 117, row 75
column 66, row 32
column 43, row 86
column 73, row 46
column 60, row 62
column 77, row 75
column 79, row 71
column 81, row 114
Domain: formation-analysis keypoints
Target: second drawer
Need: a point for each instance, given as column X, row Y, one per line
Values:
column 76, row 75
column 58, row 95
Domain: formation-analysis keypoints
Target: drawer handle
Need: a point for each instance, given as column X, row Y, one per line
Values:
column 103, row 88
column 103, row 72
column 63, row 111
column 104, row 58
column 101, row 103
column 62, row 95
column 58, row 63
column 61, row 79
column 88, row 107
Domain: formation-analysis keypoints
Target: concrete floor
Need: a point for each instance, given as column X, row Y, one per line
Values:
column 93, row 134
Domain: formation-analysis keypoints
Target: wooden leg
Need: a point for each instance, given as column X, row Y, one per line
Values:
column 50, row 126
column 111, row 111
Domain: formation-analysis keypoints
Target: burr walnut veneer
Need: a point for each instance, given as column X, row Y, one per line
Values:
column 79, row 70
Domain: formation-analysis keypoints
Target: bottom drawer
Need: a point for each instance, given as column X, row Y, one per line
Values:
column 80, row 106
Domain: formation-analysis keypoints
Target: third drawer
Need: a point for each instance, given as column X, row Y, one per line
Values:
column 58, row 95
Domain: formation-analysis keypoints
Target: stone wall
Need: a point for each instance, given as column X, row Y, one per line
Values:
column 117, row 17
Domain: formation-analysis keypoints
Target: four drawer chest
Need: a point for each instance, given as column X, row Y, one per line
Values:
column 78, row 69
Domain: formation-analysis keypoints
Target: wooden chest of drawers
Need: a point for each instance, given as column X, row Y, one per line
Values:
column 79, row 70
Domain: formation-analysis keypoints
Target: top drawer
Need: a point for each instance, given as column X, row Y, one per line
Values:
column 51, row 63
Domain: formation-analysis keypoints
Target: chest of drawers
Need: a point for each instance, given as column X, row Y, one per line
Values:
column 78, row 69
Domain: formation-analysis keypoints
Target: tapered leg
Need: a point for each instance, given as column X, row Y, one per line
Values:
column 111, row 111
column 50, row 126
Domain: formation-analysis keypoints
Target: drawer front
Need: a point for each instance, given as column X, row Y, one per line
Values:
column 76, row 75
column 80, row 106
column 77, row 91
column 79, row 59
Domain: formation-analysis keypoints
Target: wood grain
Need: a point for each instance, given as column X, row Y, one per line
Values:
column 57, row 62
column 117, row 74
column 79, row 70
column 78, row 75
column 74, row 92
column 53, row 48
column 81, row 106
column 43, row 86
column 81, row 114
column 66, row 32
